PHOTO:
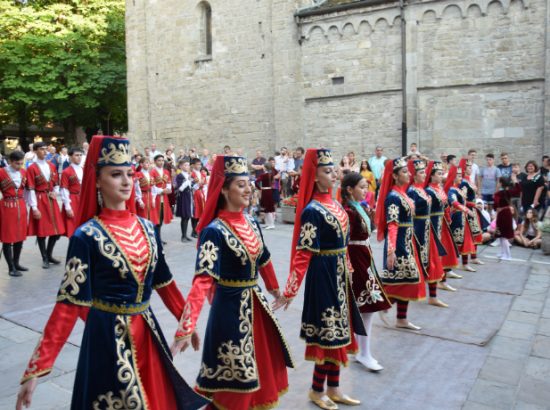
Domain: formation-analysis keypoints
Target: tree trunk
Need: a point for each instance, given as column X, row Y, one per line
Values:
column 22, row 125
column 70, row 131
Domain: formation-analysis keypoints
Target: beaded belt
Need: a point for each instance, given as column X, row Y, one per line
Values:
column 12, row 198
column 124, row 309
column 404, row 225
column 238, row 283
column 366, row 242
column 332, row 252
column 421, row 217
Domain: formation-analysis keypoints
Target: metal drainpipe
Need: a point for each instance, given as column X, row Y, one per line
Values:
column 403, row 78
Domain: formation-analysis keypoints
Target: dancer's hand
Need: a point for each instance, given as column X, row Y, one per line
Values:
column 36, row 214
column 280, row 302
column 195, row 341
column 24, row 397
column 276, row 293
column 70, row 213
column 182, row 344
column 390, row 260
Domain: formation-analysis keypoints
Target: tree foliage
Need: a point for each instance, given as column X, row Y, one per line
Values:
column 63, row 62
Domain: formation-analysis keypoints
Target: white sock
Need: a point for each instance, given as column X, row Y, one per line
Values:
column 273, row 216
column 364, row 341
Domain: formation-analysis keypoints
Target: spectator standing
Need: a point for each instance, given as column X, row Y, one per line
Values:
column 488, row 181
column 353, row 164
column 227, row 150
column 64, row 160
column 376, row 163
column 3, row 162
column 284, row 163
column 30, row 156
column 472, row 155
column 257, row 164
column 154, row 152
column 505, row 165
column 531, row 187
column 85, row 147
column 205, row 157
column 295, row 173
column 184, row 202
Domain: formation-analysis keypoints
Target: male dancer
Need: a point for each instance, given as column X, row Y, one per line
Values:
column 71, row 180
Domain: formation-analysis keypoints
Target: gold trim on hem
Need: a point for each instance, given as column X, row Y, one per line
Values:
column 136, row 366
column 327, row 359
column 163, row 284
column 404, row 299
column 69, row 298
column 332, row 252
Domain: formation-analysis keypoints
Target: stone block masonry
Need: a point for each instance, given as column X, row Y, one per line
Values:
column 476, row 76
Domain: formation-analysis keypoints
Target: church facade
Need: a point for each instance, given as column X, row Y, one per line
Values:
column 345, row 74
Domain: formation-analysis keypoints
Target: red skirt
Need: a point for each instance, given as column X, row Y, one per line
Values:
column 409, row 291
column 13, row 213
column 159, row 393
column 50, row 222
column 272, row 374
column 505, row 222
column 166, row 208
column 266, row 200
column 435, row 269
column 198, row 203
column 148, row 212
column 468, row 246
column 70, row 223
column 367, row 288
column 450, row 260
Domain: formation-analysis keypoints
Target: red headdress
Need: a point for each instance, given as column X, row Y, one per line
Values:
column 224, row 167
column 464, row 162
column 428, row 173
column 387, row 185
column 314, row 158
column 451, row 176
column 104, row 150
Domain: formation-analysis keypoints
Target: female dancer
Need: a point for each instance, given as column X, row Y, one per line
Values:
column 366, row 285
column 319, row 248
column 473, row 217
column 403, row 273
column 439, row 216
column 462, row 235
column 428, row 243
column 145, row 192
column 245, row 357
column 114, row 262
column 265, row 184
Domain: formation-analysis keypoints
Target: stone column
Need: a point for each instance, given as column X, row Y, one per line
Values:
column 546, row 134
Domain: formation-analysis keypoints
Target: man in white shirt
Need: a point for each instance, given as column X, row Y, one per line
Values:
column 154, row 153
column 284, row 163
column 472, row 154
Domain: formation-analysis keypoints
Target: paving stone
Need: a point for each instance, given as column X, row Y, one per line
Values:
column 527, row 304
column 523, row 317
column 544, row 327
column 521, row 405
column 470, row 405
column 518, row 330
column 541, row 346
column 502, row 370
column 510, row 348
column 493, row 394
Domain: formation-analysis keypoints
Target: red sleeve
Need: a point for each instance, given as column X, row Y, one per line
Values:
column 392, row 236
column 258, row 182
column 65, row 179
column 301, row 263
column 57, row 331
column 202, row 285
column 457, row 205
column 30, row 177
column 172, row 299
column 268, row 275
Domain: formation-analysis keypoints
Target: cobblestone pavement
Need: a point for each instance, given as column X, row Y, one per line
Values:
column 489, row 350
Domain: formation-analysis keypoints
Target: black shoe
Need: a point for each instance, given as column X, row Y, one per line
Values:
column 17, row 248
column 53, row 261
column 194, row 235
column 20, row 268
column 45, row 264
column 164, row 243
column 15, row 273
column 188, row 239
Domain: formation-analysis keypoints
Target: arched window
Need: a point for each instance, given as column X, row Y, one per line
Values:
column 205, row 28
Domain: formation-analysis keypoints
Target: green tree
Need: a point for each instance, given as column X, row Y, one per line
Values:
column 63, row 62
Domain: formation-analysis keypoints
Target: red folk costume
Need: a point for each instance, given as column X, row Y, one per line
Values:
column 131, row 203
column 13, row 209
column 245, row 355
column 41, row 186
column 162, row 180
column 199, row 199
column 441, row 218
column 71, row 183
column 145, row 196
column 265, row 183
column 330, row 317
column 114, row 261
column 503, row 205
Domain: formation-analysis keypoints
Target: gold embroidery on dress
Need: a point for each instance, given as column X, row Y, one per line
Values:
column 405, row 265
column 185, row 324
column 107, row 248
column 75, row 275
column 234, row 244
column 335, row 318
column 33, row 365
column 129, row 398
column 308, row 233
column 238, row 362
column 372, row 292
column 114, row 155
column 393, row 213
column 208, row 255
column 329, row 218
